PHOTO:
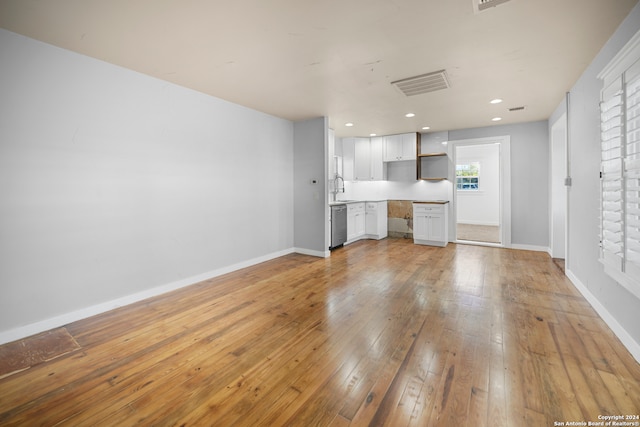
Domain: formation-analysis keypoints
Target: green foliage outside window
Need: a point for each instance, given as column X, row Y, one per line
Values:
column 468, row 176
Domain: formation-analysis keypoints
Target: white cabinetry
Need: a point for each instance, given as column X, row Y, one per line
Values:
column 355, row 221
column 348, row 158
column 409, row 146
column 430, row 224
column 400, row 147
column 376, row 220
column 392, row 148
column 362, row 159
column 378, row 168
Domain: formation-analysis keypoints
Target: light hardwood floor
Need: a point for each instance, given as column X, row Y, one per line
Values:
column 381, row 333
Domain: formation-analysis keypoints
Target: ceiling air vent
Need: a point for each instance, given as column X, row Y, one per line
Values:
column 424, row 83
column 480, row 5
column 517, row 108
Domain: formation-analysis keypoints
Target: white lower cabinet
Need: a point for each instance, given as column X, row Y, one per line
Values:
column 355, row 221
column 376, row 220
column 366, row 220
column 430, row 224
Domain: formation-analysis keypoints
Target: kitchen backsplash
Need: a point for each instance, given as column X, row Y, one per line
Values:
column 396, row 190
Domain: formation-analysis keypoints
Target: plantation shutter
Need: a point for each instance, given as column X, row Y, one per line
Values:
column 620, row 167
column 632, row 171
column 611, row 128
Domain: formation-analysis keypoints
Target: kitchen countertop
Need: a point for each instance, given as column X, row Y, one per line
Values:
column 439, row 202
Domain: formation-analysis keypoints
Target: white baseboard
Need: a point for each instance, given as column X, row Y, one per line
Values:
column 618, row 330
column 490, row 224
column 64, row 319
column 529, row 247
column 311, row 252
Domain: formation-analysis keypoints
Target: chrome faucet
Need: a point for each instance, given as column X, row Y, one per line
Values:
column 337, row 188
column 336, row 181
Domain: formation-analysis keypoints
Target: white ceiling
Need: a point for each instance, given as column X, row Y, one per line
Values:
column 299, row 59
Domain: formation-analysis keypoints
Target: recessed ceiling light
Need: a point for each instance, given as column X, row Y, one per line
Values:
column 426, row 128
column 410, row 115
column 348, row 124
column 496, row 101
column 496, row 119
column 373, row 134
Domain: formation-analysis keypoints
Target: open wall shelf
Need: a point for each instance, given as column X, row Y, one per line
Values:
column 432, row 166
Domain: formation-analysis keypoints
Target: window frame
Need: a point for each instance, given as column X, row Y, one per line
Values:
column 475, row 177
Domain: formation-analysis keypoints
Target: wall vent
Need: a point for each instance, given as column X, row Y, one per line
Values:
column 423, row 83
column 480, row 5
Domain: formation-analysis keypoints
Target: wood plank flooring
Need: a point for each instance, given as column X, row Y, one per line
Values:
column 382, row 333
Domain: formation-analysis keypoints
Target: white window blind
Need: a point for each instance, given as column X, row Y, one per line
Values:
column 632, row 171
column 620, row 167
column 611, row 116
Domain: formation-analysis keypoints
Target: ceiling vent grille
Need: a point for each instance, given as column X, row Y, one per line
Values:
column 480, row 5
column 424, row 83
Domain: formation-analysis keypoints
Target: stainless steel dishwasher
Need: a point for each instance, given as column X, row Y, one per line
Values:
column 338, row 226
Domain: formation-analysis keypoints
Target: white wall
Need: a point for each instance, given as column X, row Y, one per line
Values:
column 615, row 304
column 115, row 185
column 480, row 207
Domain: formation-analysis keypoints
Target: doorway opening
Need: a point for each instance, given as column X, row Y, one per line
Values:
column 481, row 191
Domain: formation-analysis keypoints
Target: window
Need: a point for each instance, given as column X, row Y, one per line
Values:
column 620, row 167
column 468, row 176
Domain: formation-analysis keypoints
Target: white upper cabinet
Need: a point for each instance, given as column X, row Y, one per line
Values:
column 378, row 168
column 363, row 159
column 400, row 147
column 392, row 147
column 348, row 158
column 409, row 146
